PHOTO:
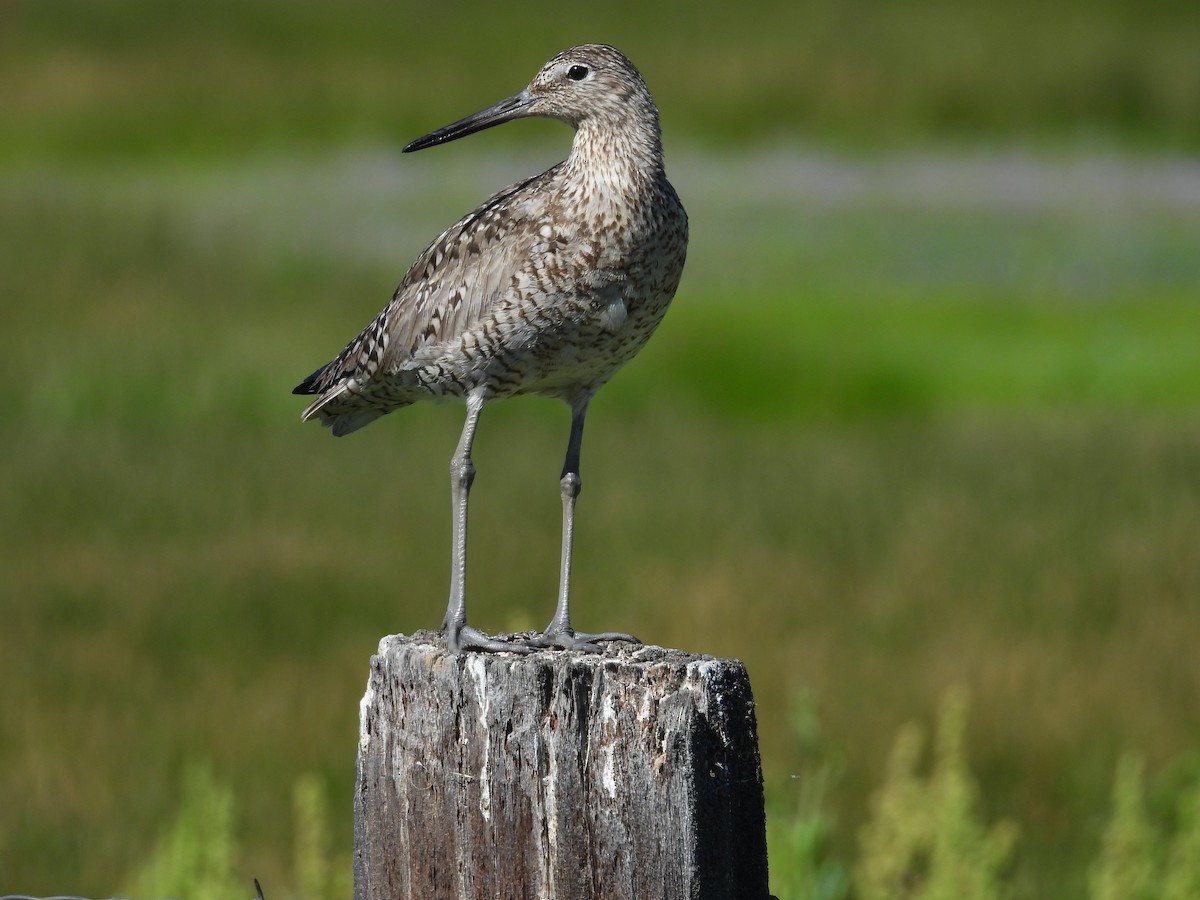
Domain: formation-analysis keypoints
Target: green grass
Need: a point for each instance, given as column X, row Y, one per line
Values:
column 945, row 478
column 218, row 593
column 918, row 420
column 145, row 78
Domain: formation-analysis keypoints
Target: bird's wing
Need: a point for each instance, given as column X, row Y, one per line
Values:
column 448, row 288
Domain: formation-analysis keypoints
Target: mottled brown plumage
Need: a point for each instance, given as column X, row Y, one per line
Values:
column 549, row 287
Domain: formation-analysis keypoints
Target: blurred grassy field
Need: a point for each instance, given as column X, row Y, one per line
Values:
column 86, row 79
column 919, row 419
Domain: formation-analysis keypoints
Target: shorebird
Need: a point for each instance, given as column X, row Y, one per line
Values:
column 548, row 288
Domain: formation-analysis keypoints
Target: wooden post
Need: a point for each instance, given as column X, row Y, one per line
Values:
column 563, row 776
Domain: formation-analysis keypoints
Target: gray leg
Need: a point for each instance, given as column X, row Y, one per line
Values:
column 459, row 635
column 559, row 632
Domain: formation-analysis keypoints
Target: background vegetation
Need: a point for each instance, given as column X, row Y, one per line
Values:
column 925, row 414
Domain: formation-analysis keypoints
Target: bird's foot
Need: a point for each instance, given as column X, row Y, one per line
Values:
column 464, row 637
column 570, row 639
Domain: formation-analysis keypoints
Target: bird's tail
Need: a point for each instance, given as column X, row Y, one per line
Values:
column 339, row 407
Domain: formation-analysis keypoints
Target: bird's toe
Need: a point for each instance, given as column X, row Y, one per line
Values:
column 569, row 639
column 464, row 637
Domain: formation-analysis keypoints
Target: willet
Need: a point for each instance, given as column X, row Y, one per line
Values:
column 548, row 288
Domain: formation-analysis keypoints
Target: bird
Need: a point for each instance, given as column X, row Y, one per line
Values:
column 548, row 288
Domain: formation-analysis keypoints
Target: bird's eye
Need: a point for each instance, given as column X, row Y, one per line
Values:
column 577, row 73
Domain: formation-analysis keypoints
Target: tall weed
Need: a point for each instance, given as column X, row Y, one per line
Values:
column 925, row 840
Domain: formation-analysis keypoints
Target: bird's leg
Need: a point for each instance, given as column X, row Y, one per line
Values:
column 559, row 632
column 459, row 635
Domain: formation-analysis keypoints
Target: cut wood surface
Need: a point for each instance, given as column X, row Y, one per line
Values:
column 634, row 774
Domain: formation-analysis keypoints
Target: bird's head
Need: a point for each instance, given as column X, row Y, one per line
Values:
column 591, row 83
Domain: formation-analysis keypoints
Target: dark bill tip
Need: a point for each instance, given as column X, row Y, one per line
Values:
column 514, row 107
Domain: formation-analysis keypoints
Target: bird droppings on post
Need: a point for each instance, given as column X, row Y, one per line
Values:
column 478, row 675
column 548, row 288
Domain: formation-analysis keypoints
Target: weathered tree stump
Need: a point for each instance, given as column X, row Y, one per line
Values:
column 557, row 775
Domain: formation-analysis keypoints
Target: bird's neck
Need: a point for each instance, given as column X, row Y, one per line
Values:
column 617, row 160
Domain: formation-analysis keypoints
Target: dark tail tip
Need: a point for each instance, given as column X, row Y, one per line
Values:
column 309, row 384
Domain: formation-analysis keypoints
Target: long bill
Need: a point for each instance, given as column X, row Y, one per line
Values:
column 514, row 107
